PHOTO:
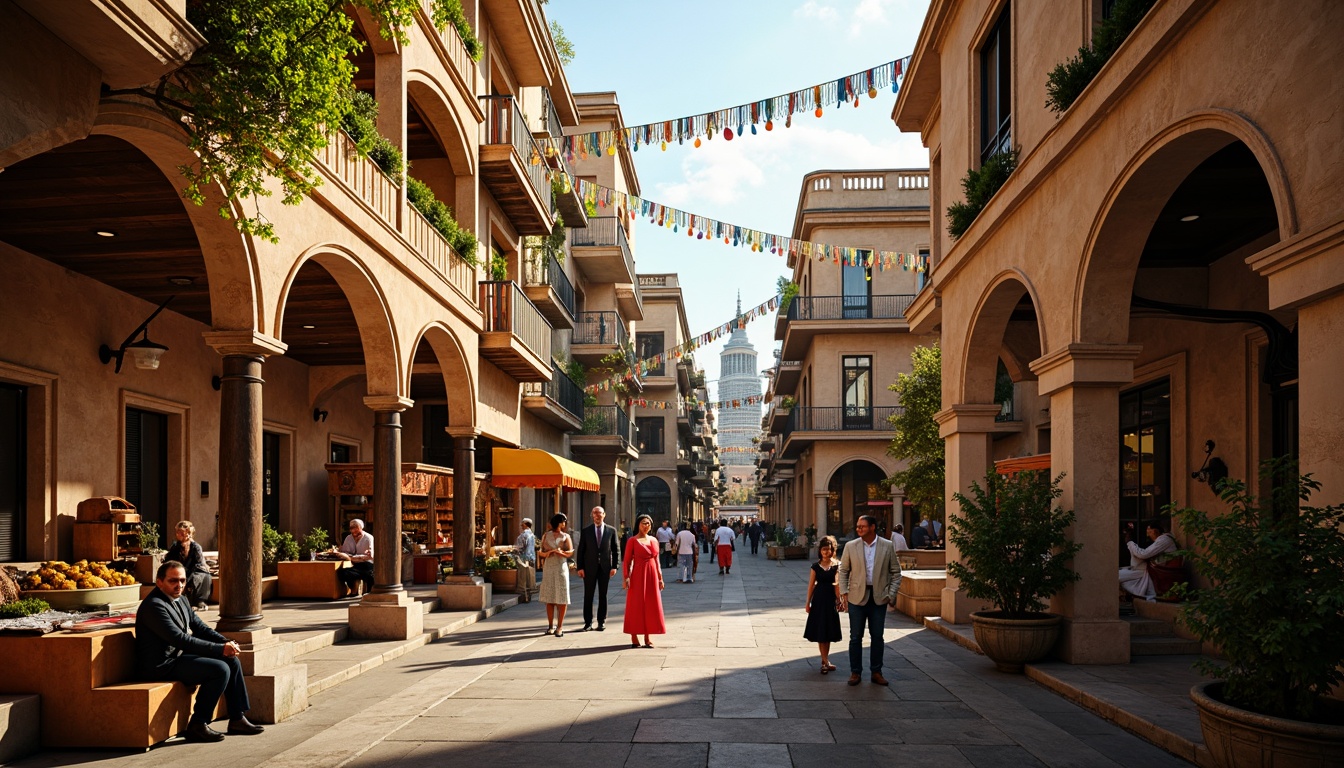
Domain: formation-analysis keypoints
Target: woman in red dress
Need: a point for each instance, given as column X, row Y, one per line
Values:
column 643, row 582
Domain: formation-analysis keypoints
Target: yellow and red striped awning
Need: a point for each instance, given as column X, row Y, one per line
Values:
column 535, row 468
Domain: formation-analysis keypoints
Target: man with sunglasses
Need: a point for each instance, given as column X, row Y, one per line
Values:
column 172, row 643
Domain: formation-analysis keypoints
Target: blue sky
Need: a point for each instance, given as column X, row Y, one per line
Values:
column 672, row 60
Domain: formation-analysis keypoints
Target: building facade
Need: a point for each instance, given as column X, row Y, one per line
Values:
column 1160, row 275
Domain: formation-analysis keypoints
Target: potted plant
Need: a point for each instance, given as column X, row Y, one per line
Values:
column 502, row 570
column 1275, row 610
column 317, row 540
column 1015, row 555
column 151, row 554
column 276, row 546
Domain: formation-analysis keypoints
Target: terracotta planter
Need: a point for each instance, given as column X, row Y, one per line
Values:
column 1012, row 643
column 505, row 579
column 795, row 553
column 772, row 552
column 1236, row 737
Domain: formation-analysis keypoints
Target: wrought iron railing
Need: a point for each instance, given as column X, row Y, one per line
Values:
column 504, row 124
column 849, row 307
column 840, row 419
column 549, row 114
column 546, row 270
column 604, row 232
column 606, row 420
column 507, row 308
column 560, row 388
column 603, row 328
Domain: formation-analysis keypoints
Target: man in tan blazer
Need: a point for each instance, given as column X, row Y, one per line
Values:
column 870, row 574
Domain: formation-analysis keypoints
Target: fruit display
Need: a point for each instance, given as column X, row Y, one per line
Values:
column 82, row 574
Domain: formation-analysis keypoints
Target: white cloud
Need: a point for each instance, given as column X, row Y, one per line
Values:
column 814, row 10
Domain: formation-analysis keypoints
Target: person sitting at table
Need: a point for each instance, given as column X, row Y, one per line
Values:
column 187, row 552
column 358, row 549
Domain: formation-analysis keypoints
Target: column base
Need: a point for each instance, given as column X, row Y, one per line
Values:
column 1094, row 641
column 389, row 616
column 279, row 694
column 957, row 606
column 465, row 593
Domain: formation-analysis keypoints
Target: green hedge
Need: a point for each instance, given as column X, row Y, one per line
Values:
column 1067, row 81
column 980, row 184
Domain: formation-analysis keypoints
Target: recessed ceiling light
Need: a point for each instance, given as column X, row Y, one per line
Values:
column 105, row 233
column 323, row 343
column 310, row 327
column 1191, row 217
column 181, row 280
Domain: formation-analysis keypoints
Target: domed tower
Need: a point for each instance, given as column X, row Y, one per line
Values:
column 739, row 379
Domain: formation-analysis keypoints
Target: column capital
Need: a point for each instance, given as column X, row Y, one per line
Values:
column 244, row 343
column 967, row 417
column 388, row 403
column 460, row 432
column 1097, row 365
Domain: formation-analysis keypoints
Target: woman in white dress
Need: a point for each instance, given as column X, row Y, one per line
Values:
column 553, row 553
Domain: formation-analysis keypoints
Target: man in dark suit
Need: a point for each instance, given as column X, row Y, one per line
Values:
column 172, row 643
column 599, row 556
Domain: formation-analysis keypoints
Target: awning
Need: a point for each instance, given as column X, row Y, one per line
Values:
column 535, row 468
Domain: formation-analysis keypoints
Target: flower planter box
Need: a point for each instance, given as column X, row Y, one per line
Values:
column 795, row 553
column 504, row 579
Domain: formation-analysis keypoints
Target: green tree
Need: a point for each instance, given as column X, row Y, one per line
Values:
column 917, row 441
column 563, row 47
column 257, row 99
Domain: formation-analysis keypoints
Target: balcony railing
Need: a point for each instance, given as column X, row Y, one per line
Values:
column 440, row 253
column 551, row 116
column 603, row 328
column 604, row 232
column 849, row 307
column 547, row 271
column 453, row 45
column 504, row 124
column 840, row 419
column 507, row 308
column 560, row 389
column 606, row 420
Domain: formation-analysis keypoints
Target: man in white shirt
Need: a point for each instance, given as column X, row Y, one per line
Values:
column 358, row 549
column 685, row 547
column 869, row 575
column 1135, row 579
column 723, row 541
column 664, row 535
column 898, row 538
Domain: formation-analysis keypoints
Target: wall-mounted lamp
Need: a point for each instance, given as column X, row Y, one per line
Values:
column 144, row 352
column 320, row 415
column 1213, row 471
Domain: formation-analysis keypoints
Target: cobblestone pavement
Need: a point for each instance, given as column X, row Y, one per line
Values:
column 732, row 684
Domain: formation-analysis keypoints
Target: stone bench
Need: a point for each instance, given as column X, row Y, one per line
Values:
column 921, row 593
column 20, row 719
column 89, row 696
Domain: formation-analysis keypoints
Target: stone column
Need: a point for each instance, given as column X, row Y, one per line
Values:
column 1320, row 409
column 965, row 429
column 1083, row 382
column 898, row 509
column 386, row 612
column 465, row 590
column 277, row 687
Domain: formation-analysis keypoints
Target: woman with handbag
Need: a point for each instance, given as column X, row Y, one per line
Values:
column 553, row 553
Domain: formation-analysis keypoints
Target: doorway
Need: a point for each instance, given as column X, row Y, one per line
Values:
column 147, row 465
column 13, row 466
column 1145, row 459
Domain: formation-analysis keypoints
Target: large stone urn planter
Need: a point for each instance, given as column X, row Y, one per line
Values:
column 504, row 579
column 1236, row 737
column 1012, row 643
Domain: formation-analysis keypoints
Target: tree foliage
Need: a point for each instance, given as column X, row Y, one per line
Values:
column 1014, row 551
column 563, row 47
column 1276, row 605
column 257, row 99
column 917, row 441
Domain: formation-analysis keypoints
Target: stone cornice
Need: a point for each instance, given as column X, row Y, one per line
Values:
column 967, row 418
column 388, row 403
column 1085, row 365
column 244, row 343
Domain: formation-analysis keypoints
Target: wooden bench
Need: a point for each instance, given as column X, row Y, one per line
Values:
column 314, row 579
column 89, row 694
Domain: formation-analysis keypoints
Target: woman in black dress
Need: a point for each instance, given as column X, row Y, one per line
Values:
column 823, row 599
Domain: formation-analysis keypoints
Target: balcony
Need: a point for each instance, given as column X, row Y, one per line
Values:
column 787, row 376
column 448, row 44
column 512, row 167
column 602, row 251
column 567, row 202
column 547, row 285
column 524, row 37
column 809, row 316
column 596, row 335
column 605, row 432
column 806, row 425
column 779, row 416
column 630, row 301
column 558, row 402
column 684, row 467
column 516, row 337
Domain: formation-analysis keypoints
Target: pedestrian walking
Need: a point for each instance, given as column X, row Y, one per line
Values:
column 665, row 536
column 643, row 585
column 869, row 575
column 754, row 533
column 823, row 601
column 723, row 540
column 556, row 549
column 526, row 547
column 685, row 546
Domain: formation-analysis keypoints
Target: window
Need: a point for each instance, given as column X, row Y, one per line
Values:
column 270, row 478
column 649, row 345
column 996, row 117
column 650, row 434
column 922, row 278
column 1145, row 458
column 857, row 381
column 857, row 282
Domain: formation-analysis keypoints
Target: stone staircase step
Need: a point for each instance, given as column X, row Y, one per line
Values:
column 20, row 725
column 1141, row 627
column 1162, row 646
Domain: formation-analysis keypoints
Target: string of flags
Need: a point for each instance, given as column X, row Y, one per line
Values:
column 738, row 402
column 640, row 367
column 705, row 228
column 734, row 121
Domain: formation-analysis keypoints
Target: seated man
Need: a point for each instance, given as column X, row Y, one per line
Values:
column 172, row 643
column 1135, row 579
column 358, row 549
